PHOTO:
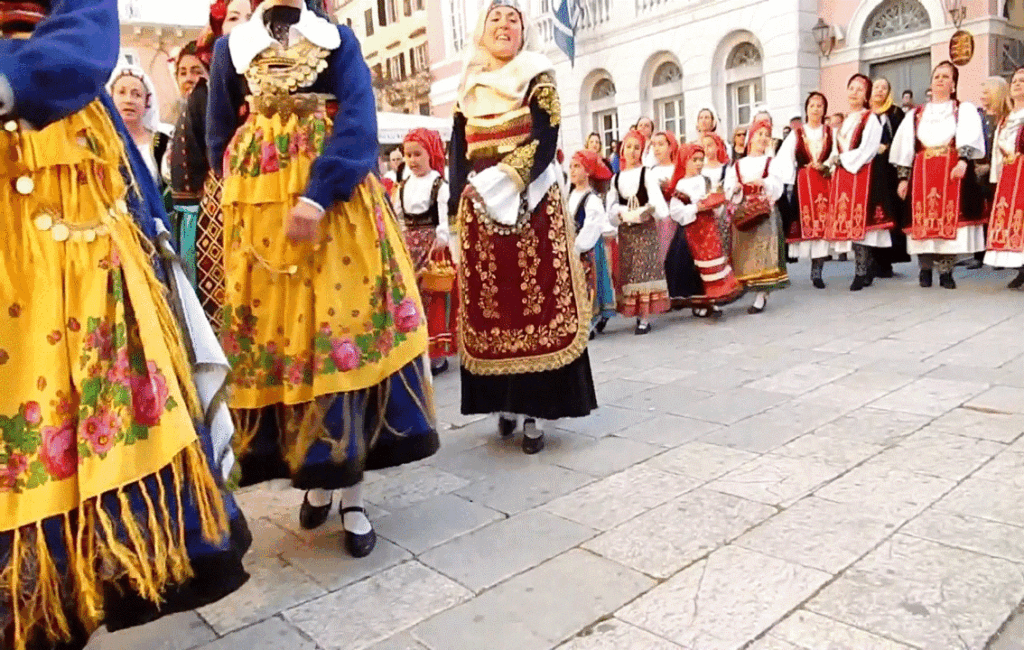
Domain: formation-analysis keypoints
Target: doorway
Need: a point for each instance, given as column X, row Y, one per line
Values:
column 909, row 73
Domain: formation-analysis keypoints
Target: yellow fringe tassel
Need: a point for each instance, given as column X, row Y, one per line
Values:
column 148, row 549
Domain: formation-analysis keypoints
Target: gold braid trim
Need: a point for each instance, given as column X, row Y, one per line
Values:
column 106, row 541
column 547, row 98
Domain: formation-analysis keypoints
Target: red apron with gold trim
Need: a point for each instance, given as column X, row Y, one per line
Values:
column 1006, row 226
column 848, row 214
column 936, row 196
column 813, row 191
column 711, row 258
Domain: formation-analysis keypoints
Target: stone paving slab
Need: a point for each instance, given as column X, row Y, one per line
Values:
column 842, row 472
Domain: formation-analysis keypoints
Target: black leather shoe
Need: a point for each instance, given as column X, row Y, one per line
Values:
column 818, row 283
column 437, row 370
column 946, row 280
column 506, row 427
column 532, row 445
column 640, row 330
column 310, row 516
column 601, row 323
column 1017, row 282
column 925, row 278
column 884, row 272
column 859, row 282
column 756, row 310
column 358, row 545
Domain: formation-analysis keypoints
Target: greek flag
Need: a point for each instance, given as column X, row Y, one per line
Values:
column 567, row 20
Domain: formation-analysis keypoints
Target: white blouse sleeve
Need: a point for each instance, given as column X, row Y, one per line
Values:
column 680, row 212
column 970, row 131
column 612, row 204
column 731, row 182
column 499, row 193
column 902, row 152
column 655, row 196
column 443, row 232
column 773, row 186
column 854, row 159
column 784, row 163
column 594, row 225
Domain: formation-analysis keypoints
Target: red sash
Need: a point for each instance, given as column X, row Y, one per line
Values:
column 813, row 191
column 1006, row 227
column 936, row 197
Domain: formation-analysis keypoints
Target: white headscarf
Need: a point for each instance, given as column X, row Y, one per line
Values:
column 494, row 92
column 151, row 118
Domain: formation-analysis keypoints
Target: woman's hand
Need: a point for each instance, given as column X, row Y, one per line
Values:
column 901, row 190
column 958, row 171
column 304, row 222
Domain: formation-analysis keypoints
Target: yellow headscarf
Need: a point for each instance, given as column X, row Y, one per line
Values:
column 887, row 104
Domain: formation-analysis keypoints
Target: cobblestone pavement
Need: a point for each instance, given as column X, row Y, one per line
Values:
column 842, row 472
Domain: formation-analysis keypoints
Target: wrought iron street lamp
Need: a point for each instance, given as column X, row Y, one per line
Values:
column 824, row 36
column 957, row 11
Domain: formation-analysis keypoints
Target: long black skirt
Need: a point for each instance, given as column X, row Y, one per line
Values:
column 566, row 392
column 681, row 272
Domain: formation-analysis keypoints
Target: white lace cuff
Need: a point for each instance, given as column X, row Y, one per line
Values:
column 500, row 195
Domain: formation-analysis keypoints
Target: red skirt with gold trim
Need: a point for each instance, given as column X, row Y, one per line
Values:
column 1006, row 226
column 851, row 215
column 712, row 261
column 935, row 197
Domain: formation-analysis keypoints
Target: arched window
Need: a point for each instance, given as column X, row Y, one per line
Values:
column 895, row 18
column 604, row 112
column 667, row 93
column 744, row 78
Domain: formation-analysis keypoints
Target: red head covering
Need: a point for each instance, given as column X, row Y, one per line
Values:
column 763, row 123
column 622, row 147
column 723, row 154
column 673, row 144
column 592, row 164
column 686, row 152
column 432, row 143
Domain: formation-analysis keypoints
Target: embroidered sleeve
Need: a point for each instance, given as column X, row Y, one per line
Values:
column 532, row 157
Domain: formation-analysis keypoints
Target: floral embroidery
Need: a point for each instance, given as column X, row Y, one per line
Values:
column 122, row 396
column 391, row 317
column 255, row 153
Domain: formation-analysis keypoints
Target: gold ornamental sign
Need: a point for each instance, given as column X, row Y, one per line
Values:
column 961, row 47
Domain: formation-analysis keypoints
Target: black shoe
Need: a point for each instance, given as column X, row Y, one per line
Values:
column 310, row 516
column 859, row 282
column 642, row 329
column 506, row 427
column 1017, row 282
column 601, row 324
column 946, row 280
column 358, row 545
column 437, row 370
column 756, row 310
column 884, row 272
column 925, row 278
column 869, row 279
column 593, row 335
column 715, row 312
column 532, row 445
column 818, row 283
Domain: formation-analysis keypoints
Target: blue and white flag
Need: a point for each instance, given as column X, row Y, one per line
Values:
column 567, row 20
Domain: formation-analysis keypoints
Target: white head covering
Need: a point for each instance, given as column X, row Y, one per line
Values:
column 151, row 118
column 714, row 115
column 493, row 92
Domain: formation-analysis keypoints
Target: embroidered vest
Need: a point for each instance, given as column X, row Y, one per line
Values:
column 429, row 217
column 641, row 192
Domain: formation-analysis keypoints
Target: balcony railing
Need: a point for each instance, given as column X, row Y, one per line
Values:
column 595, row 13
column 643, row 6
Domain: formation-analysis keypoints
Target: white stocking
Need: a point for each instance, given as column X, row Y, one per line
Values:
column 760, row 300
column 319, row 498
column 354, row 522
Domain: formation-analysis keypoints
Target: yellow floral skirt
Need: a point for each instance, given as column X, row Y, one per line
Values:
column 98, row 444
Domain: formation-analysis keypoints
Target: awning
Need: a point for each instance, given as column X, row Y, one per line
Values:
column 392, row 127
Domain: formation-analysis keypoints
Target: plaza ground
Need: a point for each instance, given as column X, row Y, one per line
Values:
column 842, row 472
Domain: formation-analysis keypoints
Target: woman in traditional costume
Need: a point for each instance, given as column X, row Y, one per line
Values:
column 995, row 106
column 693, row 203
column 645, row 126
column 111, row 504
column 857, row 219
column 716, row 162
column 323, row 323
column 933, row 151
column 803, row 161
column 884, row 180
column 196, row 190
column 524, row 312
column 635, row 204
column 589, row 176
column 136, row 101
column 707, row 122
column 1006, row 227
column 758, row 248
column 665, row 147
column 421, row 201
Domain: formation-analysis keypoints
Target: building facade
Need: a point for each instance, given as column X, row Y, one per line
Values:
column 393, row 34
column 668, row 58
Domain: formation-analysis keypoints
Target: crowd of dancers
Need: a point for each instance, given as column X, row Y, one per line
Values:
column 286, row 315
